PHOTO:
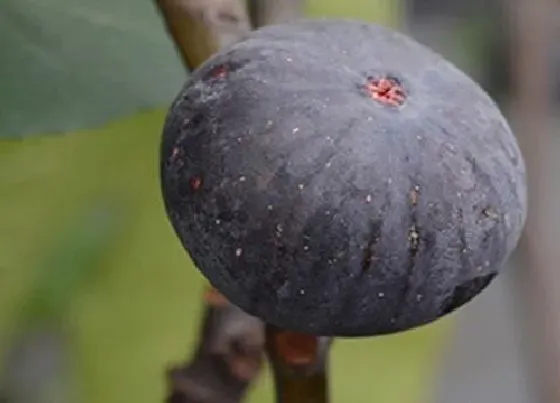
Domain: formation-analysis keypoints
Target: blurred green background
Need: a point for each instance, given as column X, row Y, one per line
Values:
column 87, row 256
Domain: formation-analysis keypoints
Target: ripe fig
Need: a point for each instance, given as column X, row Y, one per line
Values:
column 339, row 178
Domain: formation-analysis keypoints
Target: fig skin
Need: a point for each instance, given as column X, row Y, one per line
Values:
column 319, row 208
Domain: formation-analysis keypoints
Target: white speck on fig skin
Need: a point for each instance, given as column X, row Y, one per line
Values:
column 489, row 213
column 196, row 183
column 381, row 294
column 295, row 130
column 301, row 186
column 302, row 291
column 238, row 252
column 306, row 248
column 413, row 238
column 242, row 179
column 270, row 207
column 368, row 199
column 419, row 297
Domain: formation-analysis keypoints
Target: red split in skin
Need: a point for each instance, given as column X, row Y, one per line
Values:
column 219, row 72
column 386, row 90
column 196, row 182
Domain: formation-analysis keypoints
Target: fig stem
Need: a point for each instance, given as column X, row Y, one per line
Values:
column 299, row 365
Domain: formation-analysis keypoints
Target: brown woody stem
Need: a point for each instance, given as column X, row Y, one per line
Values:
column 228, row 357
column 200, row 28
column 299, row 364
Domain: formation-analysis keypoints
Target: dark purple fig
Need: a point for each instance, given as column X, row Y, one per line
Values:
column 338, row 178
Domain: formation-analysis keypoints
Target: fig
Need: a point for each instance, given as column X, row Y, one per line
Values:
column 338, row 178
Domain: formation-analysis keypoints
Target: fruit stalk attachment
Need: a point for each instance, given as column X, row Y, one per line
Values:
column 299, row 365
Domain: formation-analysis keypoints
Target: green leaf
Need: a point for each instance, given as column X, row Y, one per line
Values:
column 70, row 64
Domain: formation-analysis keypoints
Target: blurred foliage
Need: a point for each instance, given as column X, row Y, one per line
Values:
column 125, row 291
column 386, row 12
column 481, row 43
column 72, row 261
column 474, row 35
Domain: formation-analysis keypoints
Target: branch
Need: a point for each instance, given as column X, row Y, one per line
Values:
column 228, row 357
column 200, row 28
column 267, row 12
